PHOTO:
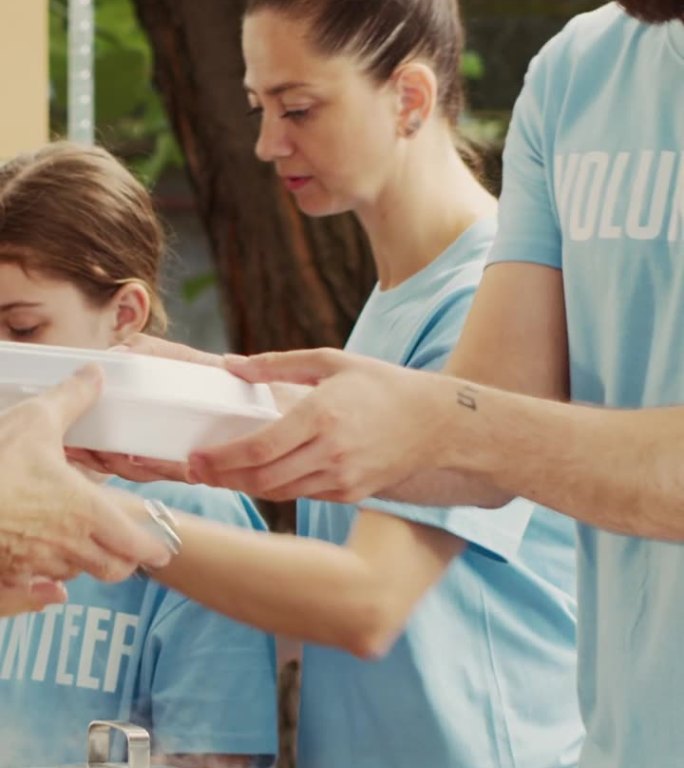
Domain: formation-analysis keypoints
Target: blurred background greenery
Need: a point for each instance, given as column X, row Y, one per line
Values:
column 129, row 114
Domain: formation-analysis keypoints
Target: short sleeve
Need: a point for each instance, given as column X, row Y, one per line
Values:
column 528, row 222
column 436, row 339
column 496, row 533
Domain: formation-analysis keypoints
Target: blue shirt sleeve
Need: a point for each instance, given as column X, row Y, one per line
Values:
column 495, row 533
column 528, row 219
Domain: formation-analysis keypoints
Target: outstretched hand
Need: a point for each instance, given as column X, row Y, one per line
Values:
column 54, row 523
column 152, row 346
column 351, row 426
column 365, row 426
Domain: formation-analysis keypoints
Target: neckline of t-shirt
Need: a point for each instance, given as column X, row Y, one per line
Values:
column 393, row 296
column 676, row 36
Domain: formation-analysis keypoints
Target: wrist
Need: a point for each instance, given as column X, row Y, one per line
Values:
column 465, row 441
column 160, row 521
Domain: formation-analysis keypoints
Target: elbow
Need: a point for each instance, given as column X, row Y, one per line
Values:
column 495, row 499
column 487, row 495
column 372, row 630
column 369, row 645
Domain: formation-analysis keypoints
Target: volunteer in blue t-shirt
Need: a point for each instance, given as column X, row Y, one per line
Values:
column 433, row 637
column 80, row 268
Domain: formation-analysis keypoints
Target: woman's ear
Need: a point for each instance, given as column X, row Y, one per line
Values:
column 130, row 309
column 416, row 87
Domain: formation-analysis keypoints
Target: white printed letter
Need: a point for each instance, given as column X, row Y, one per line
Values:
column 18, row 647
column 69, row 631
column 677, row 222
column 119, row 648
column 92, row 634
column 658, row 196
column 587, row 194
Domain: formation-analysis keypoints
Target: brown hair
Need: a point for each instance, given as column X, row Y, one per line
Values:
column 77, row 214
column 654, row 11
column 384, row 33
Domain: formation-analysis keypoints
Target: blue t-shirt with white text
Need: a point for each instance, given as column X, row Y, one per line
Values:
column 594, row 186
column 139, row 652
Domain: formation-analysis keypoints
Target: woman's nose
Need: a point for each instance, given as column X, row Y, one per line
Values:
column 273, row 142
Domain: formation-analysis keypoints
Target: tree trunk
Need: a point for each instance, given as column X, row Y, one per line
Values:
column 285, row 281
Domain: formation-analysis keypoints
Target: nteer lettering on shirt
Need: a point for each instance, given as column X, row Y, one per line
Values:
column 71, row 645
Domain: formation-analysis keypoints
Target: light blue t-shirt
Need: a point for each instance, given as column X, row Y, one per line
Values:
column 594, row 186
column 139, row 652
column 484, row 674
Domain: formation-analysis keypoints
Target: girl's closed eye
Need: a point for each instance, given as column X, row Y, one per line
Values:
column 24, row 332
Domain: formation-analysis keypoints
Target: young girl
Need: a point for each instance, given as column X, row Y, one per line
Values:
column 80, row 250
column 436, row 637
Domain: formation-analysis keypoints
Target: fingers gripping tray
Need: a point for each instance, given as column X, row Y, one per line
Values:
column 149, row 406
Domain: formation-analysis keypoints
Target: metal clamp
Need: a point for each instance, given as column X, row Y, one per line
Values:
column 99, row 743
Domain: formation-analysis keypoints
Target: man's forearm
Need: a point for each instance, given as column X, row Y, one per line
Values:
column 615, row 469
column 441, row 487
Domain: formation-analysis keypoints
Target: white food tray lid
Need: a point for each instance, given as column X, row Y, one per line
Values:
column 149, row 406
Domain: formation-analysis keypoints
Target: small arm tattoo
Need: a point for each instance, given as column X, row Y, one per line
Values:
column 466, row 397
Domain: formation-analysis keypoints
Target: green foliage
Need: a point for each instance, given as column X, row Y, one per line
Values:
column 195, row 286
column 484, row 129
column 472, row 66
column 487, row 129
column 129, row 116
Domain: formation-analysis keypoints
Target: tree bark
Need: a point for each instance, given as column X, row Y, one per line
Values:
column 285, row 281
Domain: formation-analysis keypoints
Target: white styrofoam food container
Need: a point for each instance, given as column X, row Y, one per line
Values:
column 149, row 406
